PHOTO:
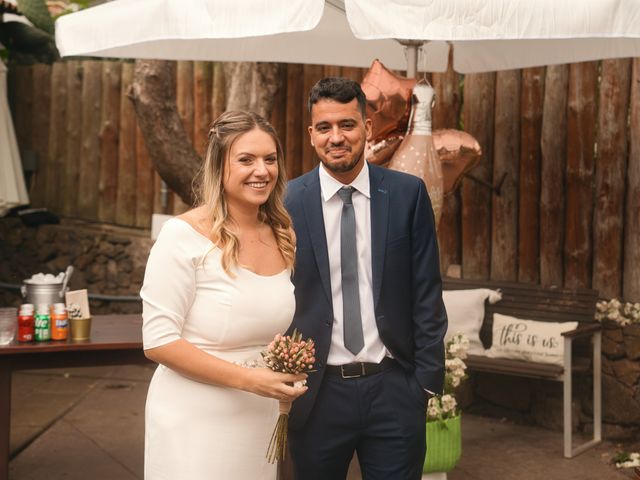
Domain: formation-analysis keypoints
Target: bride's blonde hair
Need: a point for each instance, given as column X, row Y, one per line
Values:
column 210, row 192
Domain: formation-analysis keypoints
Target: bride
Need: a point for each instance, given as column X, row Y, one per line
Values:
column 216, row 290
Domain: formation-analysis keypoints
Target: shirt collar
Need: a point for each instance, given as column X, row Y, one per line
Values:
column 329, row 186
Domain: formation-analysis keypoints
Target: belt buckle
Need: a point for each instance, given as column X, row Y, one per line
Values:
column 361, row 374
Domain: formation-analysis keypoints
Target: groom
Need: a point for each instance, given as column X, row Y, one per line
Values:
column 368, row 291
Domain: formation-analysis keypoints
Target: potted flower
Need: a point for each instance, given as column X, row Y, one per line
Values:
column 444, row 436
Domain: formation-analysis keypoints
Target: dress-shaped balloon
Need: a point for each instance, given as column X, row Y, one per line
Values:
column 417, row 154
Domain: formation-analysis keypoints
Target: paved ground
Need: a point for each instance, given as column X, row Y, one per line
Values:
column 88, row 423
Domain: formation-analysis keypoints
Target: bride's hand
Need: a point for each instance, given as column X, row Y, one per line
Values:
column 268, row 383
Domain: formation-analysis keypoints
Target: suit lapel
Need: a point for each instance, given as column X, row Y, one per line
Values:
column 379, row 224
column 315, row 223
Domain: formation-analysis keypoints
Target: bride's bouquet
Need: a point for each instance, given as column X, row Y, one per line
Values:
column 286, row 354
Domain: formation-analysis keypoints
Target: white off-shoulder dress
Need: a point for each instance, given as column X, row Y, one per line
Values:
column 194, row 430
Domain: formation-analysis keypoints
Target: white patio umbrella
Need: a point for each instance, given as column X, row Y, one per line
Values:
column 486, row 35
column 13, row 191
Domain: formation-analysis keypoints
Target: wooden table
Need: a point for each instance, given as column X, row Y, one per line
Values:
column 115, row 340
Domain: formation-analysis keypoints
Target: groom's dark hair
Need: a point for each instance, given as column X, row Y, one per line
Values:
column 339, row 89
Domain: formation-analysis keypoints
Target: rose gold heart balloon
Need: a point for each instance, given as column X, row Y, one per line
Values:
column 459, row 152
column 388, row 100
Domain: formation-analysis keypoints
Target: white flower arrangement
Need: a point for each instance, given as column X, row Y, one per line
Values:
column 628, row 460
column 616, row 311
column 442, row 407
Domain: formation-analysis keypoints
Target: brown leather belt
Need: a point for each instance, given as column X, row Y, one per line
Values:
column 360, row 369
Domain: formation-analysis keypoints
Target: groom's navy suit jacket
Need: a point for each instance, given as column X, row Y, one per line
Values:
column 407, row 288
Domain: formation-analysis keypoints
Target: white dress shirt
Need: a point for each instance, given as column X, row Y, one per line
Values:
column 373, row 350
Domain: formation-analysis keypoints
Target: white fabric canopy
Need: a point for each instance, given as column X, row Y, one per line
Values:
column 294, row 31
column 486, row 35
column 13, row 191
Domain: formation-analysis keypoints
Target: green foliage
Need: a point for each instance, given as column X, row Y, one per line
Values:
column 23, row 40
column 37, row 13
column 622, row 457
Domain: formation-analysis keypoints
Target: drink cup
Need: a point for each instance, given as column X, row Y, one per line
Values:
column 80, row 328
column 8, row 325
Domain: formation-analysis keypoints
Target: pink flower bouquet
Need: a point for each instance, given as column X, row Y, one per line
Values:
column 286, row 354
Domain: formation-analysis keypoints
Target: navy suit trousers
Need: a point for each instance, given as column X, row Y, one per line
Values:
column 381, row 417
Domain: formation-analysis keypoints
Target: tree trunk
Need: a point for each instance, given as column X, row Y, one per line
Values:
column 250, row 86
column 172, row 154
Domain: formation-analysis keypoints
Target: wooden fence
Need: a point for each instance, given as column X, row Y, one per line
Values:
column 566, row 137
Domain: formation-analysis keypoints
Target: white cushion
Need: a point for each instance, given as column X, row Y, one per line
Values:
column 528, row 339
column 465, row 310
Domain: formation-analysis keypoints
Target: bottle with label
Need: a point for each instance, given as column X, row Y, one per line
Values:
column 59, row 322
column 42, row 332
column 26, row 323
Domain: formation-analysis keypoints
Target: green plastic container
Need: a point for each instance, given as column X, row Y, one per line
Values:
column 444, row 445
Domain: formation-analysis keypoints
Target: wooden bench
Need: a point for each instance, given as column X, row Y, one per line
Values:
column 582, row 346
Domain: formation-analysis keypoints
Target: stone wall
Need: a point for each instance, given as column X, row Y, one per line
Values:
column 108, row 260
column 621, row 376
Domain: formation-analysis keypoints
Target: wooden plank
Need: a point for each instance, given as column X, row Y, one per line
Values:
column 332, row 71
column 57, row 123
column 518, row 368
column 553, row 145
column 73, row 138
column 295, row 135
column 109, row 139
column 185, row 90
column 126, row 195
column 583, row 78
column 218, row 94
column 311, row 74
column 279, row 112
column 202, row 103
column 532, row 104
column 611, row 166
column 631, row 281
column 23, row 94
column 354, row 73
column 184, row 95
column 90, row 150
column 479, row 95
column 41, row 88
column 506, row 153
column 446, row 114
column 144, row 183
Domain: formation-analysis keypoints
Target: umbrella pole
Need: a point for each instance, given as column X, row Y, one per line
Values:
column 411, row 48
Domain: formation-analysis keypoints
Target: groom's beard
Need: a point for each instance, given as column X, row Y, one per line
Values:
column 343, row 167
